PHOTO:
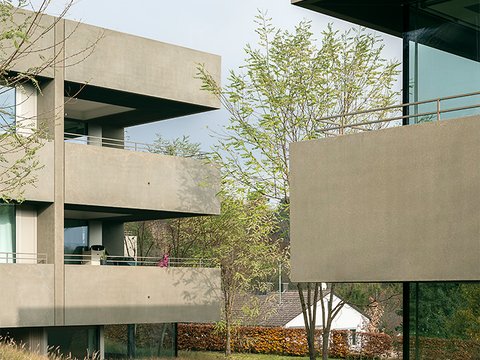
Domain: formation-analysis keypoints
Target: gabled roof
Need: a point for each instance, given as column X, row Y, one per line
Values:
column 273, row 309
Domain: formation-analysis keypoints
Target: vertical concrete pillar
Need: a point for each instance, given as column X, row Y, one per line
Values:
column 59, row 175
column 95, row 131
column 113, row 238
column 38, row 341
column 101, row 342
column 94, row 233
column 116, row 136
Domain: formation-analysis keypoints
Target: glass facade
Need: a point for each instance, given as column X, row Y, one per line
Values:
column 75, row 236
column 140, row 341
column 442, row 40
column 7, row 233
column 442, row 59
column 445, row 320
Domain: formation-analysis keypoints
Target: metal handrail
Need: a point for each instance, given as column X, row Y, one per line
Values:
column 20, row 257
column 437, row 112
column 138, row 261
column 119, row 144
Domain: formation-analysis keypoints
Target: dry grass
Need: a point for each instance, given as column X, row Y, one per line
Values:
column 11, row 351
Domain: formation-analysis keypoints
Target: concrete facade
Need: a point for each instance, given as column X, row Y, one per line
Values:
column 410, row 196
column 101, row 82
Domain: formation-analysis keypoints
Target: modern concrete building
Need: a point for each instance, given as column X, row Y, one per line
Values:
column 51, row 295
column 400, row 204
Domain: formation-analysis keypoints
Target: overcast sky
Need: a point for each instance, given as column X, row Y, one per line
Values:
column 221, row 27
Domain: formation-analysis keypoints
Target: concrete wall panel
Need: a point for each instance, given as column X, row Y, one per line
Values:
column 133, row 64
column 102, row 176
column 399, row 204
column 42, row 187
column 27, row 295
column 126, row 294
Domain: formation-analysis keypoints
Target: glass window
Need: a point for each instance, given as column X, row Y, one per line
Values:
column 443, row 57
column 7, row 108
column 7, row 233
column 75, row 235
column 140, row 341
column 444, row 320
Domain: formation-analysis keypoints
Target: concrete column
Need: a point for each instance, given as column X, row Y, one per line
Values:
column 117, row 133
column 95, row 131
column 59, row 172
column 38, row 341
column 95, row 233
column 101, row 342
column 113, row 238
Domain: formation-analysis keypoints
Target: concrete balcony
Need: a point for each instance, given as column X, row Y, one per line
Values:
column 27, row 295
column 109, row 178
column 109, row 294
column 140, row 294
column 399, row 204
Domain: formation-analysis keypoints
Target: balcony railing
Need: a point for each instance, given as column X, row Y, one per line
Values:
column 22, row 258
column 410, row 113
column 123, row 144
column 82, row 259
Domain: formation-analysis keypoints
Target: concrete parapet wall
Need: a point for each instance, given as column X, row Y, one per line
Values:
column 101, row 176
column 400, row 204
column 27, row 295
column 42, row 188
column 126, row 294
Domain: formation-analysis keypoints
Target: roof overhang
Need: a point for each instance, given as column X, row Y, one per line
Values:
column 381, row 15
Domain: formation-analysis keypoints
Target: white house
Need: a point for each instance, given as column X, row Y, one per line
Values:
column 349, row 318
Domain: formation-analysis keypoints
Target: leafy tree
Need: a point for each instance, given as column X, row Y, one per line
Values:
column 280, row 95
column 181, row 146
column 465, row 322
column 239, row 242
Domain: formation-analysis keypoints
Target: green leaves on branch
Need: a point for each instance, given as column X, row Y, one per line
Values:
column 285, row 87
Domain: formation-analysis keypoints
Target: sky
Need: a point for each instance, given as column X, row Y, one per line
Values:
column 222, row 27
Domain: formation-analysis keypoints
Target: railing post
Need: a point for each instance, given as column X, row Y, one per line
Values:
column 438, row 109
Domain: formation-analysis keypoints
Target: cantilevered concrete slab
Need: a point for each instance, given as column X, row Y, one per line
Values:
column 400, row 204
column 116, row 178
column 114, row 295
column 155, row 79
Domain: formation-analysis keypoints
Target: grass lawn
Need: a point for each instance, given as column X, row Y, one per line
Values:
column 210, row 355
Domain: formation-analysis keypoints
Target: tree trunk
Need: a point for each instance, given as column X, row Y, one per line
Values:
column 309, row 314
column 228, row 347
column 325, row 338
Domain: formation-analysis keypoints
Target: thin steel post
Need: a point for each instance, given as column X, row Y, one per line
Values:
column 438, row 109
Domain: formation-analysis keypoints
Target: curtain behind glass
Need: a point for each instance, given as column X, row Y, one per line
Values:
column 7, row 233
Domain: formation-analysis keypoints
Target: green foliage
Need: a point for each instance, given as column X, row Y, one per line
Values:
column 465, row 322
column 446, row 310
column 284, row 91
column 181, row 146
column 285, row 86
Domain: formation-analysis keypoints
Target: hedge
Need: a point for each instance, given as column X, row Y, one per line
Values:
column 282, row 341
column 277, row 340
